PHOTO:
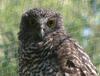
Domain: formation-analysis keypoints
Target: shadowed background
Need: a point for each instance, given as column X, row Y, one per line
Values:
column 81, row 19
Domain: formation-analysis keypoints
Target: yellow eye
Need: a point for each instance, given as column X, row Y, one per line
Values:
column 51, row 23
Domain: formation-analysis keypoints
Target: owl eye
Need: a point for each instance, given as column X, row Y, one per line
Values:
column 51, row 23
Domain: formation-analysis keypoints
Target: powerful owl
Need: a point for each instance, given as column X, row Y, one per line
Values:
column 47, row 50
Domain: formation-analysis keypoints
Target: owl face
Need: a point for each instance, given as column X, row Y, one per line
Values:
column 40, row 22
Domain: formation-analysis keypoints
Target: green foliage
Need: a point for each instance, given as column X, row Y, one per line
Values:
column 78, row 15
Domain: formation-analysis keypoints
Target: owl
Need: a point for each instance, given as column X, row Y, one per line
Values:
column 46, row 49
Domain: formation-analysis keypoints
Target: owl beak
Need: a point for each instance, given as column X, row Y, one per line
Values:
column 43, row 26
column 42, row 33
column 42, row 30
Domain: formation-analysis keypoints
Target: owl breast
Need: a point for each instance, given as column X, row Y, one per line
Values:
column 35, row 61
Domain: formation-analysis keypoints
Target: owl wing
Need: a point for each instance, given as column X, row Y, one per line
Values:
column 74, row 61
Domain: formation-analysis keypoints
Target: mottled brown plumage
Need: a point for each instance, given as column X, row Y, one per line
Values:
column 47, row 50
column 72, row 59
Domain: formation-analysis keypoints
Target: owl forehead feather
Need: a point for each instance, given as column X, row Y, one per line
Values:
column 39, row 12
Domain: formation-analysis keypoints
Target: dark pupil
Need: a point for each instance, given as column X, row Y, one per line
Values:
column 50, row 23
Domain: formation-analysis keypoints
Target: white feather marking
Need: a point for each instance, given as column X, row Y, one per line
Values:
column 85, row 71
column 84, row 57
column 66, row 74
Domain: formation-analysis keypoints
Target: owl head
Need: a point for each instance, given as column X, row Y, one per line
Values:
column 37, row 23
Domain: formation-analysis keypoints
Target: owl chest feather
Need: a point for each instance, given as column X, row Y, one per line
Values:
column 38, row 62
column 53, row 57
